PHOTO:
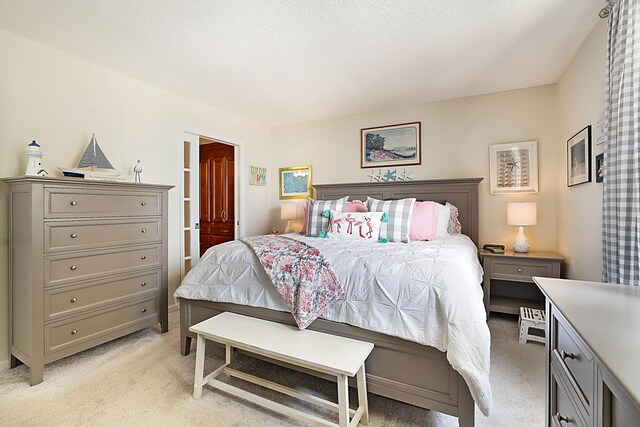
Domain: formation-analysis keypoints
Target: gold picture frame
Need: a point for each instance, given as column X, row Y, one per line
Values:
column 295, row 182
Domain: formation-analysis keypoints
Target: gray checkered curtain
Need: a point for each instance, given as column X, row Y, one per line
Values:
column 621, row 204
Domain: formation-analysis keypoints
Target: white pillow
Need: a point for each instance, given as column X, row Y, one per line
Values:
column 355, row 225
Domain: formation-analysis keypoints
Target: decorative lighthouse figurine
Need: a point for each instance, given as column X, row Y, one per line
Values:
column 34, row 160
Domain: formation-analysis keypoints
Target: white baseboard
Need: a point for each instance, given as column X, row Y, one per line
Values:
column 173, row 308
column 4, row 365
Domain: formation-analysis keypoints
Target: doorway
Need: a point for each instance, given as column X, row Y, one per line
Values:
column 217, row 193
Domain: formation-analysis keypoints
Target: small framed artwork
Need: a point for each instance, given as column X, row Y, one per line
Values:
column 392, row 145
column 579, row 157
column 601, row 131
column 258, row 176
column 295, row 182
column 514, row 167
column 600, row 168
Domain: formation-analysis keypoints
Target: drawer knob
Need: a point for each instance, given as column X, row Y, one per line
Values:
column 73, row 267
column 519, row 270
column 73, row 203
column 144, row 284
column 144, row 230
column 566, row 355
column 562, row 418
column 73, row 235
column 144, row 203
column 144, row 310
column 75, row 331
column 74, row 299
column 143, row 257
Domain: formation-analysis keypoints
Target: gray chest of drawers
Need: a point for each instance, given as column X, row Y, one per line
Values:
column 88, row 263
column 592, row 354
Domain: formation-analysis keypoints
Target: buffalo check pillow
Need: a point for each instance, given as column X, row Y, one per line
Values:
column 317, row 221
column 396, row 229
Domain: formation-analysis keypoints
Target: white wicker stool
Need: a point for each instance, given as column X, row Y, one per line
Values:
column 531, row 318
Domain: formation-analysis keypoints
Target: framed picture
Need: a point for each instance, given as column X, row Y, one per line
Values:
column 579, row 157
column 392, row 145
column 295, row 182
column 258, row 176
column 600, row 168
column 514, row 167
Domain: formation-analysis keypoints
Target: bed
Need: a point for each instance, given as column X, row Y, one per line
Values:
column 398, row 368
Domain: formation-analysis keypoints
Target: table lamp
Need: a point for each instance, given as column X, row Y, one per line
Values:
column 521, row 214
column 288, row 211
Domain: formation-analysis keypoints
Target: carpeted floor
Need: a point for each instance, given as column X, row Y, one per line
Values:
column 142, row 380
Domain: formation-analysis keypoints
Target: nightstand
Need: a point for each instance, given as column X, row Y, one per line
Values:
column 508, row 283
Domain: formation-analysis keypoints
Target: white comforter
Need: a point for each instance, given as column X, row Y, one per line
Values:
column 427, row 292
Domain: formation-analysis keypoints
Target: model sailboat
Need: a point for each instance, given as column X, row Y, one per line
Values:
column 93, row 163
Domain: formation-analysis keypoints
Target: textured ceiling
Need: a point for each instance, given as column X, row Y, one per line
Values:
column 280, row 62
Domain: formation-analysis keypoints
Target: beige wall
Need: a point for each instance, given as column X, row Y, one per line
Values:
column 455, row 143
column 580, row 102
column 59, row 100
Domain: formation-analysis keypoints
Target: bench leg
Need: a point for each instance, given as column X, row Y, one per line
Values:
column 199, row 374
column 229, row 355
column 343, row 400
column 362, row 395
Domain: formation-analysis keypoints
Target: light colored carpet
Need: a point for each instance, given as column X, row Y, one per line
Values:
column 142, row 379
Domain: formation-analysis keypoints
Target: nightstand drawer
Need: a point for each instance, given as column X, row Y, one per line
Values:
column 522, row 272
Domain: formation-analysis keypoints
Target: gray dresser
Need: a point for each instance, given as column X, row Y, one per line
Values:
column 592, row 353
column 88, row 263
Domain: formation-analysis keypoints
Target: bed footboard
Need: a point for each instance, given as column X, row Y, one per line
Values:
column 398, row 369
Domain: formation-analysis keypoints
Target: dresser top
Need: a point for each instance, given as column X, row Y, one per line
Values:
column 607, row 318
column 71, row 181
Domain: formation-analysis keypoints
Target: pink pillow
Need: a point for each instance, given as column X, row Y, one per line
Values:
column 356, row 206
column 353, row 206
column 429, row 221
column 424, row 221
column 306, row 218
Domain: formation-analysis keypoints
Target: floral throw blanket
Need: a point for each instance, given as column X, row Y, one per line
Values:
column 300, row 273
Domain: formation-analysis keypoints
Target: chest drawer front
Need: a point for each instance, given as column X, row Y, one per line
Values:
column 72, row 300
column 82, row 203
column 61, row 335
column 76, row 235
column 522, row 272
column 222, row 229
column 575, row 360
column 563, row 412
column 61, row 269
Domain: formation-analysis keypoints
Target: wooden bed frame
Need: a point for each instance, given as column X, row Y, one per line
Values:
column 397, row 369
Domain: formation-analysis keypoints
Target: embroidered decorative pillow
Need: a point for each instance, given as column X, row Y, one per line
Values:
column 353, row 206
column 399, row 211
column 454, row 223
column 318, row 222
column 355, row 225
column 430, row 220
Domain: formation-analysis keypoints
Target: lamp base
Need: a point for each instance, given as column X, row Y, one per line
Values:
column 288, row 229
column 520, row 244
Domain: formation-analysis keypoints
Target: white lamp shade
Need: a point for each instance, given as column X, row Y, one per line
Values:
column 288, row 211
column 522, row 213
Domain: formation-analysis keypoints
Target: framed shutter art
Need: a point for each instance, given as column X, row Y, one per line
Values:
column 514, row 167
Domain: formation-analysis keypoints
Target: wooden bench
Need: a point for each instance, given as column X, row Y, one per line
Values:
column 329, row 354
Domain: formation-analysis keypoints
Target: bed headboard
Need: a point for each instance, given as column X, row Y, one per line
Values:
column 461, row 192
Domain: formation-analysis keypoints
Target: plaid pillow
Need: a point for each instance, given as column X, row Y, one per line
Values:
column 399, row 211
column 316, row 221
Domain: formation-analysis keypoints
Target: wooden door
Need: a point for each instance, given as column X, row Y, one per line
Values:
column 217, row 216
